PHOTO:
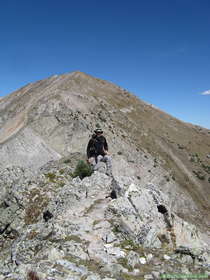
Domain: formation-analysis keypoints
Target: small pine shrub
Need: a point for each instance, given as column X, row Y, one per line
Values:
column 82, row 170
column 67, row 161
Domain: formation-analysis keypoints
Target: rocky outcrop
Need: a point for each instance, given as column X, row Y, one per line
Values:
column 66, row 228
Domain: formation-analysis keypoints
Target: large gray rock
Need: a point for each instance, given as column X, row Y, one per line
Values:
column 67, row 230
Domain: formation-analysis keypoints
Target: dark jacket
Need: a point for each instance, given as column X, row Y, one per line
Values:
column 96, row 146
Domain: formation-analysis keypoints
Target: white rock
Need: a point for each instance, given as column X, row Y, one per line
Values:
column 93, row 277
column 133, row 259
column 156, row 274
column 110, row 237
column 166, row 257
column 71, row 266
column 149, row 257
column 55, row 254
column 116, row 251
column 132, row 188
column 136, row 271
column 142, row 260
column 148, row 276
column 187, row 259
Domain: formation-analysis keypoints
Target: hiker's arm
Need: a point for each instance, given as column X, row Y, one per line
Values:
column 105, row 146
column 88, row 148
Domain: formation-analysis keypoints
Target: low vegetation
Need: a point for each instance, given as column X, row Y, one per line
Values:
column 206, row 168
column 51, row 177
column 82, row 170
column 199, row 175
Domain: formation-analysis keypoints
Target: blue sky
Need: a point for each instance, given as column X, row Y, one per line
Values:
column 157, row 49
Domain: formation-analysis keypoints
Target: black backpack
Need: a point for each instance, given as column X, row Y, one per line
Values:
column 99, row 145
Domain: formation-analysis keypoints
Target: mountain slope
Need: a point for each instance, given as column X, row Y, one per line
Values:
column 151, row 218
column 55, row 117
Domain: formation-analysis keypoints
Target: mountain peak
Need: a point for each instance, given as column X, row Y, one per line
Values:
column 160, row 181
column 80, row 74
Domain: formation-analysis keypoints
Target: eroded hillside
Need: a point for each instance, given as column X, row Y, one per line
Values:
column 161, row 165
column 54, row 117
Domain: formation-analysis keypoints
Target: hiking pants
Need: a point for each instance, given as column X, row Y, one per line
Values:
column 106, row 159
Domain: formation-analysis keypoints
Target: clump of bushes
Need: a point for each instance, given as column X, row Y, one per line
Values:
column 206, row 168
column 66, row 161
column 199, row 175
column 195, row 158
column 51, row 177
column 83, row 169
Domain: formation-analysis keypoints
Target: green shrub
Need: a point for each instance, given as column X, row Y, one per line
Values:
column 66, row 161
column 195, row 158
column 51, row 177
column 206, row 168
column 82, row 170
column 199, row 175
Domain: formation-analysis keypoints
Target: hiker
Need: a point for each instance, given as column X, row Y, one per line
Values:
column 97, row 150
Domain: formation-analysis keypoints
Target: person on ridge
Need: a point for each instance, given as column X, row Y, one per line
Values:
column 97, row 150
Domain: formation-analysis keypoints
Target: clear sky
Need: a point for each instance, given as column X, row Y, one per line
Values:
column 157, row 49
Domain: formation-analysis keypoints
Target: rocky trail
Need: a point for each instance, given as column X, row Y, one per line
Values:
column 81, row 232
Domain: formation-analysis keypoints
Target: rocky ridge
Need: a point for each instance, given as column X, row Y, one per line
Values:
column 66, row 228
column 63, row 228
